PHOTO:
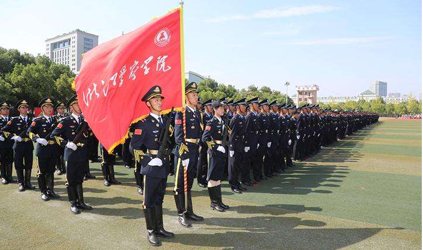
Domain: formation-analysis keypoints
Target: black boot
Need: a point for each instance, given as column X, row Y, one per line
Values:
column 219, row 196
column 3, row 174
column 80, row 193
column 180, row 205
column 112, row 175
column 50, row 186
column 72, row 199
column 21, row 180
column 215, row 205
column 105, row 174
column 88, row 175
column 74, row 208
column 43, row 186
column 160, row 231
column 9, row 173
column 28, row 179
column 190, row 212
column 150, row 221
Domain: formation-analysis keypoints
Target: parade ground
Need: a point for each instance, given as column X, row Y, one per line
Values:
column 363, row 192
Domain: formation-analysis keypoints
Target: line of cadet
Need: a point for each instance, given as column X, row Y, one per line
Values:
column 244, row 142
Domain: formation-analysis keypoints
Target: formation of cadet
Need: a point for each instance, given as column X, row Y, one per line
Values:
column 244, row 142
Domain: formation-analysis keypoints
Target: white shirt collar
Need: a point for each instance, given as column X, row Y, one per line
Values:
column 47, row 117
column 190, row 108
column 219, row 119
column 4, row 117
column 23, row 117
column 155, row 116
column 77, row 117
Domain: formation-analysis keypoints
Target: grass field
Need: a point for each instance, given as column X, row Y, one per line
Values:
column 363, row 192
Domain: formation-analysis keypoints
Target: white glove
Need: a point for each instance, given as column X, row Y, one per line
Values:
column 185, row 162
column 289, row 142
column 314, row 133
column 318, row 135
column 1, row 138
column 336, row 128
column 298, row 136
column 269, row 144
column 42, row 141
column 231, row 153
column 221, row 149
column 258, row 145
column 71, row 145
column 156, row 162
column 246, row 149
column 17, row 138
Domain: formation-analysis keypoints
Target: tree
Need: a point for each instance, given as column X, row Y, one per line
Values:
column 401, row 108
column 414, row 107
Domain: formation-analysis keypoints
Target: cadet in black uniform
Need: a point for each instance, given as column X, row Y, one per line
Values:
column 213, row 136
column 145, row 145
column 47, row 151
column 61, row 114
column 23, row 146
column 202, row 160
column 6, row 144
column 264, row 144
column 251, row 142
column 72, row 133
column 187, row 136
column 271, row 159
column 236, row 146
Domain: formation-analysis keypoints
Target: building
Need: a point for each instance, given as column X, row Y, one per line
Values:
column 379, row 88
column 307, row 94
column 194, row 77
column 394, row 95
column 68, row 48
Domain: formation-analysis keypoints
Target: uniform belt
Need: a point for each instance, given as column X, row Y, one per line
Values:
column 51, row 142
column 80, row 144
column 218, row 142
column 195, row 141
column 26, row 139
column 153, row 152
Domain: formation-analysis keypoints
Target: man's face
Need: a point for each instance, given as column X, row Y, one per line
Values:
column 242, row 108
column 48, row 110
column 208, row 108
column 255, row 106
column 232, row 108
column 75, row 108
column 192, row 98
column 61, row 111
column 4, row 111
column 220, row 111
column 265, row 108
column 23, row 111
column 155, row 103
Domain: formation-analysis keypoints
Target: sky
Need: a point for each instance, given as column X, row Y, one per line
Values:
column 341, row 46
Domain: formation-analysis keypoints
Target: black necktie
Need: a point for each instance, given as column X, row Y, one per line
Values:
column 160, row 120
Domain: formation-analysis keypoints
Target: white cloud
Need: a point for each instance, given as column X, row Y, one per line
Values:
column 277, row 13
column 339, row 41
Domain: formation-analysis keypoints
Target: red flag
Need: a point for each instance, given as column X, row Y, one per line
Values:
column 115, row 75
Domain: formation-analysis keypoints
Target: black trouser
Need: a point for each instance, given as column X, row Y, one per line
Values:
column 75, row 172
column 139, row 179
column 154, row 191
column 6, row 160
column 258, row 161
column 247, row 164
column 93, row 148
column 23, row 161
column 234, row 168
column 60, row 161
column 46, row 166
column 202, row 165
